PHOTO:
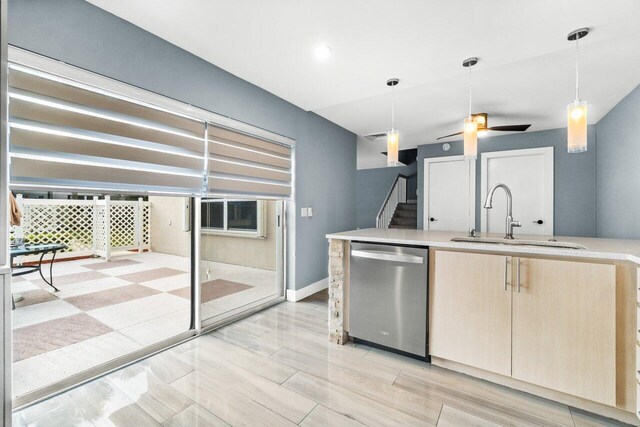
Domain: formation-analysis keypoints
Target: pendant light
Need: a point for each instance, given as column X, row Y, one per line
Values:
column 393, row 135
column 577, row 110
column 470, row 129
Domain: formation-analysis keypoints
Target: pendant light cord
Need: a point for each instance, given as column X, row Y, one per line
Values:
column 469, row 91
column 577, row 70
column 392, row 106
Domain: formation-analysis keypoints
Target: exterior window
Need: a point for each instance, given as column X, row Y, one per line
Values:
column 233, row 217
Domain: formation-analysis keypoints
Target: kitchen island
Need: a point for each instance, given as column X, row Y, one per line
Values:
column 556, row 322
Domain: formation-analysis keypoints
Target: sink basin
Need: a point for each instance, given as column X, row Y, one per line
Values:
column 517, row 242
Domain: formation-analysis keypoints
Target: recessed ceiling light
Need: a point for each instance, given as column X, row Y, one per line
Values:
column 322, row 51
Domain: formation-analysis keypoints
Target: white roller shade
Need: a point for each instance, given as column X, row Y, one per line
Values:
column 243, row 164
column 65, row 134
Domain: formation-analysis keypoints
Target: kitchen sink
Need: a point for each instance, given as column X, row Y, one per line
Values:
column 518, row 242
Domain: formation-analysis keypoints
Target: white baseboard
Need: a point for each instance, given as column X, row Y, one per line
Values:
column 296, row 295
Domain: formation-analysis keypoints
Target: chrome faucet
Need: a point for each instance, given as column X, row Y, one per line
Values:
column 509, row 222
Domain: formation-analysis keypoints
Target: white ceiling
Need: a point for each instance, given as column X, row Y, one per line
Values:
column 525, row 73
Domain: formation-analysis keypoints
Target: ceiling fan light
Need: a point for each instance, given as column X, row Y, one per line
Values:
column 470, row 138
column 481, row 119
column 482, row 133
column 577, row 126
column 393, row 142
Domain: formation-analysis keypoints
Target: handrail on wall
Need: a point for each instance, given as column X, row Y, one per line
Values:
column 397, row 194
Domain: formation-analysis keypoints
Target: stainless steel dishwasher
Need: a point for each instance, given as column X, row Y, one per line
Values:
column 388, row 296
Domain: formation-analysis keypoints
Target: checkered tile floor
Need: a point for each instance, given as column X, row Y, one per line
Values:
column 107, row 309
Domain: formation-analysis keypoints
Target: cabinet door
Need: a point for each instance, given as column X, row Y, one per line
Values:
column 564, row 327
column 470, row 310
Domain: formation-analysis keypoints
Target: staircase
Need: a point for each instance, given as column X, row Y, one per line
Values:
column 405, row 215
column 398, row 211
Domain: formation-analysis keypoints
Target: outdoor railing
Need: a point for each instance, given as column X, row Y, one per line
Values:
column 95, row 227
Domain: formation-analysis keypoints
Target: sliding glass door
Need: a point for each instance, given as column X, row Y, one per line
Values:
column 241, row 256
column 101, row 265
column 97, row 280
column 116, row 255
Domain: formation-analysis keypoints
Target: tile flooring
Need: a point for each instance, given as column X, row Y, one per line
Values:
column 108, row 309
column 278, row 368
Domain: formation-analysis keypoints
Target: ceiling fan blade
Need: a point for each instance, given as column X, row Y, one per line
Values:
column 447, row 136
column 510, row 128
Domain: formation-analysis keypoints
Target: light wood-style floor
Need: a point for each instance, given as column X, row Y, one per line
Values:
column 278, row 368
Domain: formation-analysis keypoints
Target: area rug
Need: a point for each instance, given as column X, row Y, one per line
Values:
column 34, row 297
column 54, row 334
column 113, row 296
column 213, row 290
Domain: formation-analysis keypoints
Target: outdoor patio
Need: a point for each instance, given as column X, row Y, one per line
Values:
column 107, row 309
column 117, row 291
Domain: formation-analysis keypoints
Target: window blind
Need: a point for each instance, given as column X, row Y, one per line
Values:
column 243, row 164
column 68, row 135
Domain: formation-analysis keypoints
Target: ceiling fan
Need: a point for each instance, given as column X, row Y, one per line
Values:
column 482, row 119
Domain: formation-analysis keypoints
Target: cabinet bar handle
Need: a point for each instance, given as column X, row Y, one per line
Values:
column 506, row 266
column 518, row 275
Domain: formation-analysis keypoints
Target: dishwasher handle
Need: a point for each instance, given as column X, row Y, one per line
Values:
column 388, row 256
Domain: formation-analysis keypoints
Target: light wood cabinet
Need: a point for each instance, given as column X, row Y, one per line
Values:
column 557, row 329
column 564, row 327
column 470, row 310
column 637, row 342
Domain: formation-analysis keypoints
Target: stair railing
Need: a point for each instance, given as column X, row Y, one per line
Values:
column 397, row 194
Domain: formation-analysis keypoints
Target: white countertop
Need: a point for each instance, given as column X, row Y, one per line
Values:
column 601, row 249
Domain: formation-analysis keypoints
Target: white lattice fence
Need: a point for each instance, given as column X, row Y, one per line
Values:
column 85, row 226
column 58, row 221
column 146, row 225
column 123, row 226
column 100, row 229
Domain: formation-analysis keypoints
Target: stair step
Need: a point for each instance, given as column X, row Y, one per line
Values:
column 405, row 214
column 403, row 221
column 406, row 206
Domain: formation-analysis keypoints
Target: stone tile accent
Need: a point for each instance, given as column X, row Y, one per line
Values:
column 337, row 288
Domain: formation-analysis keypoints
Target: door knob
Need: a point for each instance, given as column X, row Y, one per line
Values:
column 432, row 219
column 539, row 221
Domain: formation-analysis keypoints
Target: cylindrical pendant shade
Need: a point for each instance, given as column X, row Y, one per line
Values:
column 393, row 142
column 470, row 138
column 577, row 126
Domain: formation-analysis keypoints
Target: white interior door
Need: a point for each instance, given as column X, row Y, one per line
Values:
column 449, row 197
column 529, row 175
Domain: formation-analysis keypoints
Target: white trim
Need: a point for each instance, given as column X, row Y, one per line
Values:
column 6, row 369
column 196, row 258
column 6, row 336
column 295, row 295
column 547, row 152
column 472, row 194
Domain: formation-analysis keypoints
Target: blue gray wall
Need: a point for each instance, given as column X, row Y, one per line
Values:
column 618, row 164
column 83, row 35
column 575, row 176
column 372, row 186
